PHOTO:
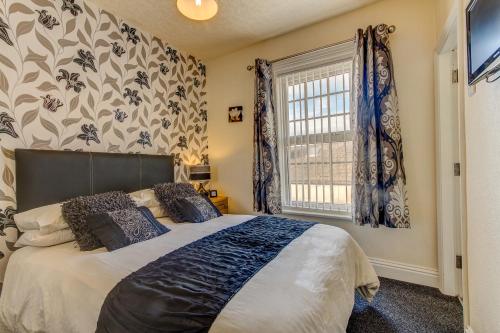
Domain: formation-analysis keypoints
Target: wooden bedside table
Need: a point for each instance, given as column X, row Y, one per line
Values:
column 221, row 203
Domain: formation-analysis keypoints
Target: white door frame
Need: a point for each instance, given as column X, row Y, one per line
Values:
column 459, row 9
column 447, row 184
column 448, row 132
column 454, row 30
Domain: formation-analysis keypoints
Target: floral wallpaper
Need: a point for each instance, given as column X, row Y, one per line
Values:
column 75, row 77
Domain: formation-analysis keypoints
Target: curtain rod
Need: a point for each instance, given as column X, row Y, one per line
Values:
column 390, row 29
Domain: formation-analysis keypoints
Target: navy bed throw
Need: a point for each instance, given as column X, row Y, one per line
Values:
column 185, row 290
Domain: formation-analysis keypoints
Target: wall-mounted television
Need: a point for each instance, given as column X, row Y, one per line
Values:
column 483, row 36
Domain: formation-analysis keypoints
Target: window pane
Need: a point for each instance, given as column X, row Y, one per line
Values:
column 292, row 172
column 296, row 92
column 340, row 173
column 331, row 82
column 319, row 150
column 349, row 151
column 298, row 128
column 310, row 88
column 290, row 112
column 340, row 123
column 299, row 192
column 298, row 173
column 304, row 193
column 340, row 103
column 297, row 110
column 339, row 83
column 298, row 154
column 338, row 152
column 319, row 173
column 310, row 108
column 317, row 125
column 317, row 107
column 346, row 81
column 340, row 194
column 347, row 102
column 324, row 106
column 324, row 121
column 293, row 192
column 310, row 126
column 333, row 124
column 324, row 87
column 317, row 89
column 328, row 194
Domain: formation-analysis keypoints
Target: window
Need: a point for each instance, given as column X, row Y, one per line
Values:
column 315, row 136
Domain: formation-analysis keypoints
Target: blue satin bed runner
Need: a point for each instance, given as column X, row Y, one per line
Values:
column 185, row 290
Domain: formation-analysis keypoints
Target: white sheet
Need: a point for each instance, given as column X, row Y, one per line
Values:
column 308, row 287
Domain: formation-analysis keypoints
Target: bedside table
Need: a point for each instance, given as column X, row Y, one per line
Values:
column 221, row 203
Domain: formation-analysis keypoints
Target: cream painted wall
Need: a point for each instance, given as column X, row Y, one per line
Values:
column 482, row 129
column 443, row 8
column 482, row 120
column 231, row 149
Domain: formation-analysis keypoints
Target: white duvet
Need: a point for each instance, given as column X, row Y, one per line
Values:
column 308, row 287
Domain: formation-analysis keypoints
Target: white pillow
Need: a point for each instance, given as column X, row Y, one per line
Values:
column 35, row 238
column 45, row 219
column 147, row 198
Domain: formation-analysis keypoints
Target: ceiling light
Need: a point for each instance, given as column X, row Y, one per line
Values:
column 198, row 10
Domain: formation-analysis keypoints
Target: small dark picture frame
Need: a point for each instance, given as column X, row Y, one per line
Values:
column 213, row 193
column 235, row 114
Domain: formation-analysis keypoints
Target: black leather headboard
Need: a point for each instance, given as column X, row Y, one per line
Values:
column 45, row 177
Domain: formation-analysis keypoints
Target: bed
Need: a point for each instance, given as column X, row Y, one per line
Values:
column 308, row 286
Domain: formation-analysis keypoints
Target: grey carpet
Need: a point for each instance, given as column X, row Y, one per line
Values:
column 401, row 307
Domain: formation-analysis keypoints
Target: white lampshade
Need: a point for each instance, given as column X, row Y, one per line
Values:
column 198, row 10
column 199, row 172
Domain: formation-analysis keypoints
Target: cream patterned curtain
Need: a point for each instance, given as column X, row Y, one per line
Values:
column 379, row 181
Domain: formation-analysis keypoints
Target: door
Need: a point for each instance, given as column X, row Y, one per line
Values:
column 448, row 173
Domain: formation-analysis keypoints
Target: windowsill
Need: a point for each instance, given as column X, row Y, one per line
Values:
column 332, row 216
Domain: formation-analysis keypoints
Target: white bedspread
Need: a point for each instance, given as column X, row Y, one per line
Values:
column 308, row 287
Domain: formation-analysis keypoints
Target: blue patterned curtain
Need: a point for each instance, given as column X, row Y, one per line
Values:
column 266, row 177
column 379, row 180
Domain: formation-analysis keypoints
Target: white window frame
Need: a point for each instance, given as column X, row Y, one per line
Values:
column 323, row 57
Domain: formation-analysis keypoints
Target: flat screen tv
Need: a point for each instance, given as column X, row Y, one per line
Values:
column 483, row 36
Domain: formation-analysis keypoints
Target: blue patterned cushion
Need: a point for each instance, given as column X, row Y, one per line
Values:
column 168, row 193
column 196, row 209
column 76, row 210
column 120, row 228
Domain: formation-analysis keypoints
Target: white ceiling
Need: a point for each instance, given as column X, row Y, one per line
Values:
column 239, row 23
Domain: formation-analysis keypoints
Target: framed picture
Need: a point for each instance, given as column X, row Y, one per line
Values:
column 235, row 114
column 213, row 193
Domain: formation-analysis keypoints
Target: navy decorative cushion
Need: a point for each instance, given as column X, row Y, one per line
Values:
column 196, row 209
column 76, row 211
column 168, row 193
column 124, row 227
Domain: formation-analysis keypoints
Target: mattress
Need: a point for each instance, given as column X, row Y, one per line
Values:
column 308, row 287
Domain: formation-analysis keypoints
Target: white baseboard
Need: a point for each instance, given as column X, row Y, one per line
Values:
column 468, row 329
column 405, row 272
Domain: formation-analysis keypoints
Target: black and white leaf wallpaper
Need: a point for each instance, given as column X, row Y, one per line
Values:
column 73, row 76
